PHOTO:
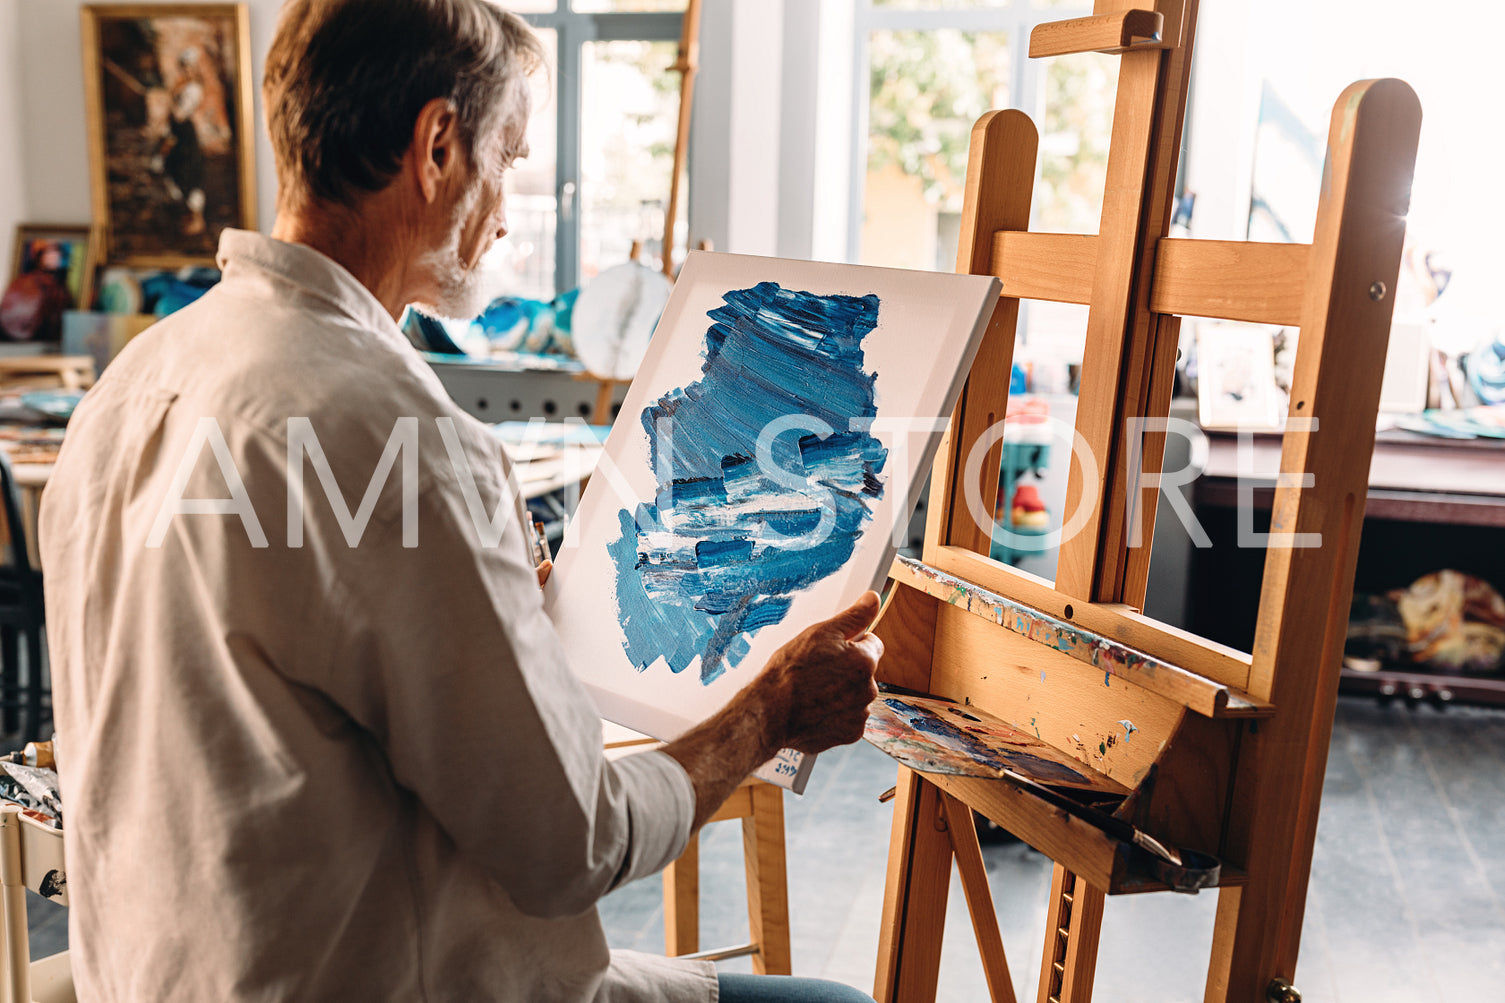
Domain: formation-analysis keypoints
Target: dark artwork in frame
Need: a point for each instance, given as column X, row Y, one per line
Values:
column 168, row 95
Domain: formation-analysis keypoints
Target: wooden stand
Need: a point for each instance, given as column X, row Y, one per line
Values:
column 760, row 806
column 1223, row 751
column 687, row 65
column 31, row 858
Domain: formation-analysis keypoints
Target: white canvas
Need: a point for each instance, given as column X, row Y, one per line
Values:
column 670, row 601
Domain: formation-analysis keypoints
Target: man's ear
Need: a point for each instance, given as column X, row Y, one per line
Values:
column 436, row 146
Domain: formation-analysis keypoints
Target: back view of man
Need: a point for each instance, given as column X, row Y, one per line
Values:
column 316, row 748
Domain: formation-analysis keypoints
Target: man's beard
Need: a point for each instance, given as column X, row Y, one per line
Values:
column 463, row 291
column 462, row 295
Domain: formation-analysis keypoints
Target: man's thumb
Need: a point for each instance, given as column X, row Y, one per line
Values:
column 854, row 621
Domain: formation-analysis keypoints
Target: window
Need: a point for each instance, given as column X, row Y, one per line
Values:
column 601, row 142
column 926, row 70
column 1255, row 158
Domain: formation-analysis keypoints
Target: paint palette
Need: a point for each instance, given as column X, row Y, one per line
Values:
column 941, row 736
column 771, row 448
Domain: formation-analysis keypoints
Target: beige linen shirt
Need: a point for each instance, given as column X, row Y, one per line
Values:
column 341, row 768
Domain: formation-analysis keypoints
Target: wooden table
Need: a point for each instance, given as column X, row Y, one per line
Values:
column 1432, row 503
column 564, row 471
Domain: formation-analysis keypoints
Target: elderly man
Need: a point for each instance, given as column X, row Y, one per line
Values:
column 317, row 755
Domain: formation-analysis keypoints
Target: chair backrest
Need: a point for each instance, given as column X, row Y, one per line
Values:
column 10, row 499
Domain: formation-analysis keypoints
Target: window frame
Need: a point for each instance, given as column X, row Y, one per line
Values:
column 573, row 30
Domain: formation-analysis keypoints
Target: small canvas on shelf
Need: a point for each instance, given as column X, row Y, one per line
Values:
column 1236, row 385
column 770, row 449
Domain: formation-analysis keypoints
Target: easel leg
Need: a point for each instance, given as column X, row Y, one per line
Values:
column 767, row 880
column 682, row 901
column 1072, row 927
column 914, row 899
column 974, row 875
column 1225, row 933
column 1239, row 970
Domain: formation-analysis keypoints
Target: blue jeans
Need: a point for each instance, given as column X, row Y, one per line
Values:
column 736, row 988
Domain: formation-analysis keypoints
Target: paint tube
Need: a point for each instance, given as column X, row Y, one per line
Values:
column 35, row 754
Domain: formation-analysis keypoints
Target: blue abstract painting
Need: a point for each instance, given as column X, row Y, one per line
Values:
column 766, row 475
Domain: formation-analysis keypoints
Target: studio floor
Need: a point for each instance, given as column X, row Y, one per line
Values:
column 1405, row 902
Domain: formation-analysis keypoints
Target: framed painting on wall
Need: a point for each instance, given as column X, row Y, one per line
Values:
column 167, row 96
column 52, row 270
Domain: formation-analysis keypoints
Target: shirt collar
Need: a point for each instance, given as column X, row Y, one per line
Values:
column 312, row 272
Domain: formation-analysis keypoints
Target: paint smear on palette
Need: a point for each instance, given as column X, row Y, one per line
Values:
column 938, row 736
column 728, row 540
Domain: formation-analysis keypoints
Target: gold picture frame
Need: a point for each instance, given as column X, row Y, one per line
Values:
column 79, row 253
column 168, row 103
column 62, row 256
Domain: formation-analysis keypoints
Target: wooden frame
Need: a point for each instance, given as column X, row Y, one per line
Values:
column 1228, row 748
column 76, row 274
column 1236, row 384
column 82, row 241
column 171, row 129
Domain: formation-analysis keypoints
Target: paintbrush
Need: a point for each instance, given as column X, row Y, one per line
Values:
column 539, row 542
column 1115, row 827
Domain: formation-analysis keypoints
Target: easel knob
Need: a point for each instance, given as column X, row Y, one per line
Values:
column 1281, row 991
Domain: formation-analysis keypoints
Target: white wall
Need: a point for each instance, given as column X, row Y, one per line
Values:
column 815, row 138
column 1221, row 121
column 734, row 182
column 749, row 144
column 13, row 208
column 51, row 94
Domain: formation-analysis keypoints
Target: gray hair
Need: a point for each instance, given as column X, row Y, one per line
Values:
column 346, row 79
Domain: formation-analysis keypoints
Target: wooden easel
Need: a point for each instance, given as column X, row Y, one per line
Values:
column 687, row 65
column 1224, row 751
column 760, row 807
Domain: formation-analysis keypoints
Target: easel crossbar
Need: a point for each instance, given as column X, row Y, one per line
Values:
column 1205, row 696
column 1117, row 622
column 1253, row 281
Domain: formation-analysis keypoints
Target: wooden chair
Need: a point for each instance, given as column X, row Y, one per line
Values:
column 31, row 857
column 1222, row 751
column 760, row 806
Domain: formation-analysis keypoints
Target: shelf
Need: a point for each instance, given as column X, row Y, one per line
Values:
column 1431, row 687
column 1105, row 654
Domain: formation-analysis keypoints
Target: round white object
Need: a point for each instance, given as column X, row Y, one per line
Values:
column 614, row 318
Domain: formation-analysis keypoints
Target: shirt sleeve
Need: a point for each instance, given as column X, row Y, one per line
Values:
column 447, row 659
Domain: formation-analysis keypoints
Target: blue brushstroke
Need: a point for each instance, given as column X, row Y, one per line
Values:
column 728, row 540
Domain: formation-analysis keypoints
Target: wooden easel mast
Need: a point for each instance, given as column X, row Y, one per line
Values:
column 687, row 65
column 1229, row 748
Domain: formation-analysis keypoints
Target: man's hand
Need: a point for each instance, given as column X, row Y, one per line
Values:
column 813, row 695
column 543, row 572
column 822, row 681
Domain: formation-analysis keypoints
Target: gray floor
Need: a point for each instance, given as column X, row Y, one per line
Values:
column 1405, row 902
